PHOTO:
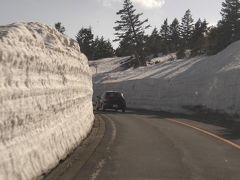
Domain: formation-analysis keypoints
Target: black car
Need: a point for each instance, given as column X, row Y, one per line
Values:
column 111, row 100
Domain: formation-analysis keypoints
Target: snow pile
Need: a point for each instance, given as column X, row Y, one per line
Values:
column 207, row 82
column 45, row 99
column 162, row 58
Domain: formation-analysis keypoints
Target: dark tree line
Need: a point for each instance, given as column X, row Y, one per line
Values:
column 94, row 48
column 173, row 37
column 227, row 29
column 176, row 36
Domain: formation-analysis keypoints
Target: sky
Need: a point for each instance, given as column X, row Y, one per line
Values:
column 101, row 14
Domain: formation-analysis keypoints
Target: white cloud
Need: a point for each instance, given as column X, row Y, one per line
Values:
column 150, row 3
column 143, row 3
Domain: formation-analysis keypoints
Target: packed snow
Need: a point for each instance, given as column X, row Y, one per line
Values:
column 179, row 86
column 45, row 99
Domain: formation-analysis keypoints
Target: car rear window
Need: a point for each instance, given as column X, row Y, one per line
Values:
column 113, row 95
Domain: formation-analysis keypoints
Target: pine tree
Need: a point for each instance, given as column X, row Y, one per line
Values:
column 186, row 29
column 174, row 35
column 153, row 43
column 231, row 18
column 102, row 48
column 85, row 41
column 125, row 48
column 198, row 39
column 60, row 28
column 212, row 40
column 110, row 52
column 219, row 38
column 98, row 47
column 228, row 28
column 130, row 28
column 164, row 35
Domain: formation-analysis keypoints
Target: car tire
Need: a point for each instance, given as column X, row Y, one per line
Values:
column 123, row 110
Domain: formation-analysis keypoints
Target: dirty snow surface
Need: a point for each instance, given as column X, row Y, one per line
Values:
column 182, row 86
column 45, row 99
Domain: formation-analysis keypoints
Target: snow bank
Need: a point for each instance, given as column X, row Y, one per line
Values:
column 45, row 99
column 208, row 82
column 162, row 58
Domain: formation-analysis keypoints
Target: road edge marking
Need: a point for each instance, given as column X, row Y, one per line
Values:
column 102, row 162
column 206, row 132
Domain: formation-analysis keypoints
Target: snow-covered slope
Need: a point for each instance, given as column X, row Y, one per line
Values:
column 209, row 82
column 45, row 99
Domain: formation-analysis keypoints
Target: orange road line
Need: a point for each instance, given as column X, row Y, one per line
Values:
column 206, row 132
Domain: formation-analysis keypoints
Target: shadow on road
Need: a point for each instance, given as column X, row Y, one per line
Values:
column 231, row 128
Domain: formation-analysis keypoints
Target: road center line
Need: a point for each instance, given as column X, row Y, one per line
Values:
column 206, row 132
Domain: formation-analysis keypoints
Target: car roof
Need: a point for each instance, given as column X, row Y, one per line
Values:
column 112, row 92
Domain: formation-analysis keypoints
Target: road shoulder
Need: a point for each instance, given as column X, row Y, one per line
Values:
column 68, row 168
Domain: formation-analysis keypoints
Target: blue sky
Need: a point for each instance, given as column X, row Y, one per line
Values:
column 101, row 14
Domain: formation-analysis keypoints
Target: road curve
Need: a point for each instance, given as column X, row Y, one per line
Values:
column 141, row 146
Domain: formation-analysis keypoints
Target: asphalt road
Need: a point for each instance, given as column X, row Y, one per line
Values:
column 143, row 145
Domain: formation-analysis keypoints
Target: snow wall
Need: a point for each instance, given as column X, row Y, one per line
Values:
column 208, row 83
column 45, row 99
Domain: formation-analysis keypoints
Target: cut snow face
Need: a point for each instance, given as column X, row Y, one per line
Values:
column 209, row 82
column 45, row 99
